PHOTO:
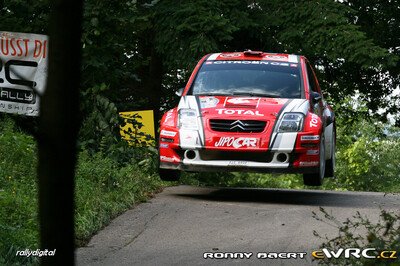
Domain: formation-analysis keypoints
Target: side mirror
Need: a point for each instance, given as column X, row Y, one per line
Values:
column 179, row 92
column 315, row 97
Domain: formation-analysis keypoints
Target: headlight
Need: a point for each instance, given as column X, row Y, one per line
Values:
column 291, row 122
column 188, row 119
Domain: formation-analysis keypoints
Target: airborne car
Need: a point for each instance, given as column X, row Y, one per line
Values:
column 250, row 111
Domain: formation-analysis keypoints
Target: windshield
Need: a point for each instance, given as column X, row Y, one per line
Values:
column 249, row 78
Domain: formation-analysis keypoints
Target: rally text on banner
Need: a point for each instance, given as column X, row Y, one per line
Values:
column 23, row 72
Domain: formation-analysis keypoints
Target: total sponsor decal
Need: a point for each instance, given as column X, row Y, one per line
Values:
column 238, row 112
column 236, row 142
column 314, row 120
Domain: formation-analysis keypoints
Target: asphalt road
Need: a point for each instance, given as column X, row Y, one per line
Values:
column 181, row 223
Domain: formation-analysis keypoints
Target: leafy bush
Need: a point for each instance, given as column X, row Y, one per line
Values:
column 368, row 157
column 105, row 187
column 18, row 199
column 360, row 232
column 104, row 190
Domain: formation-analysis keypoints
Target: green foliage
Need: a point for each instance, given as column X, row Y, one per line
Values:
column 360, row 232
column 128, row 45
column 24, row 16
column 368, row 157
column 108, row 35
column 100, row 131
column 325, row 29
column 136, row 53
column 104, row 188
column 194, row 28
column 18, row 199
column 100, row 128
column 133, row 47
column 349, row 61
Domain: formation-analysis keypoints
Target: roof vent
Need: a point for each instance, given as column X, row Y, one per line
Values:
column 253, row 53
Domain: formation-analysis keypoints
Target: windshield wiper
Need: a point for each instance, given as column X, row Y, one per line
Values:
column 212, row 94
column 246, row 93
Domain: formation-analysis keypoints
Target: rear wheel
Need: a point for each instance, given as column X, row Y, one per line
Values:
column 330, row 164
column 169, row 175
column 316, row 179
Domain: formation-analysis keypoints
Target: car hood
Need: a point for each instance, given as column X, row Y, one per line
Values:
column 258, row 108
column 241, row 107
column 235, row 110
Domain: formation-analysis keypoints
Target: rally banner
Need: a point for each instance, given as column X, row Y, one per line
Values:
column 23, row 72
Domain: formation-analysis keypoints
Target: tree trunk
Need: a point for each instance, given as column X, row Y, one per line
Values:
column 58, row 130
column 154, row 87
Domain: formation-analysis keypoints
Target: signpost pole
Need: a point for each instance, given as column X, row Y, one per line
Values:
column 58, row 130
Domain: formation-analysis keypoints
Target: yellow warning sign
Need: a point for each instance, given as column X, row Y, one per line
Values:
column 138, row 127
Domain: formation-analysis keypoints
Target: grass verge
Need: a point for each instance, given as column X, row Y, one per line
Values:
column 103, row 190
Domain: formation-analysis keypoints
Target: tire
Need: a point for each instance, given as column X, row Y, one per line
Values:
column 169, row 175
column 316, row 179
column 330, row 164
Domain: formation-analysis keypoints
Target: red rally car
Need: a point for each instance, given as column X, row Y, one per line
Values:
column 250, row 111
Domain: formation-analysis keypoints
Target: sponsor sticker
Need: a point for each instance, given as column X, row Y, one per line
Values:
column 168, row 117
column 164, row 145
column 312, row 152
column 311, row 163
column 314, row 120
column 230, row 55
column 236, row 142
column 208, row 102
column 167, row 133
column 244, row 62
column 239, row 100
column 276, row 57
column 166, row 159
column 313, row 137
column 238, row 112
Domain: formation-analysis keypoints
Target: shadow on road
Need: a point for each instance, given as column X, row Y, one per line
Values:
column 295, row 197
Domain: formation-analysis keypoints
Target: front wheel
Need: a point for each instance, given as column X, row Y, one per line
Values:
column 330, row 164
column 316, row 179
column 169, row 175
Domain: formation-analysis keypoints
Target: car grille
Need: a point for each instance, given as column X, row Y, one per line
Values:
column 245, row 126
column 211, row 155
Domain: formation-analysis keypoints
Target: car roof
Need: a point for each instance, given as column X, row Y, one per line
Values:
column 254, row 55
